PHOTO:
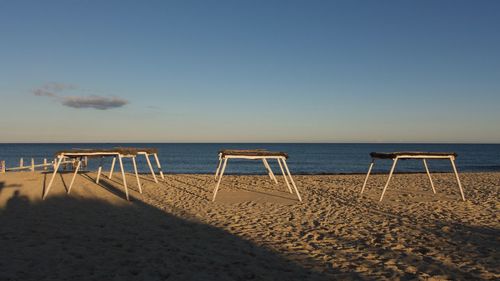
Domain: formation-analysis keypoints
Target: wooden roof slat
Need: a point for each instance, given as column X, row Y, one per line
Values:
column 117, row 150
column 392, row 155
column 252, row 152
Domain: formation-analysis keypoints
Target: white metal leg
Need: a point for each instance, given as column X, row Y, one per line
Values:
column 99, row 170
column 367, row 175
column 291, row 179
column 218, row 168
column 98, row 174
column 123, row 175
column 269, row 171
column 137, row 175
column 452, row 160
column 220, row 178
column 159, row 166
column 112, row 167
column 389, row 179
column 284, row 176
column 74, row 175
column 151, row 168
column 56, row 167
column 429, row 175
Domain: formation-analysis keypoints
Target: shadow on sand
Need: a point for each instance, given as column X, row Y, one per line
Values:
column 72, row 238
column 3, row 185
column 68, row 238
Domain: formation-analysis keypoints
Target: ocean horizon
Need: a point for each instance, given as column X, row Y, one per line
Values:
column 305, row 158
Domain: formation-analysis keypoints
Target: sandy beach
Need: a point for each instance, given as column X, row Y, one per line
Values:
column 255, row 230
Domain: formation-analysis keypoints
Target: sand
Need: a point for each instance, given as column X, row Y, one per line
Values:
column 255, row 230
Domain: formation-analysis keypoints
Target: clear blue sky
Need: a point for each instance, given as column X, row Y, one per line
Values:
column 293, row 71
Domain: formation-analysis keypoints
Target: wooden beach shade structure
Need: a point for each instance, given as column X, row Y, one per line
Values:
column 81, row 155
column 256, row 154
column 395, row 156
column 147, row 152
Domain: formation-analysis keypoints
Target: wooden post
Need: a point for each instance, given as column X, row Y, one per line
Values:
column 151, row 168
column 21, row 162
column 452, row 160
column 74, row 174
column 2, row 166
column 368, row 175
column 395, row 161
column 123, row 175
column 218, row 168
column 56, row 167
column 291, row 179
column 269, row 171
column 32, row 165
column 45, row 164
column 159, row 166
column 284, row 175
column 112, row 168
column 429, row 175
column 136, row 174
column 220, row 178
column 98, row 170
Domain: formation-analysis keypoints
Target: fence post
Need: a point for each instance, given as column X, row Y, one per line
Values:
column 45, row 164
column 2, row 166
column 32, row 165
column 21, row 162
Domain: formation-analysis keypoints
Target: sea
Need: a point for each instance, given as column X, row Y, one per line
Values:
column 304, row 158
